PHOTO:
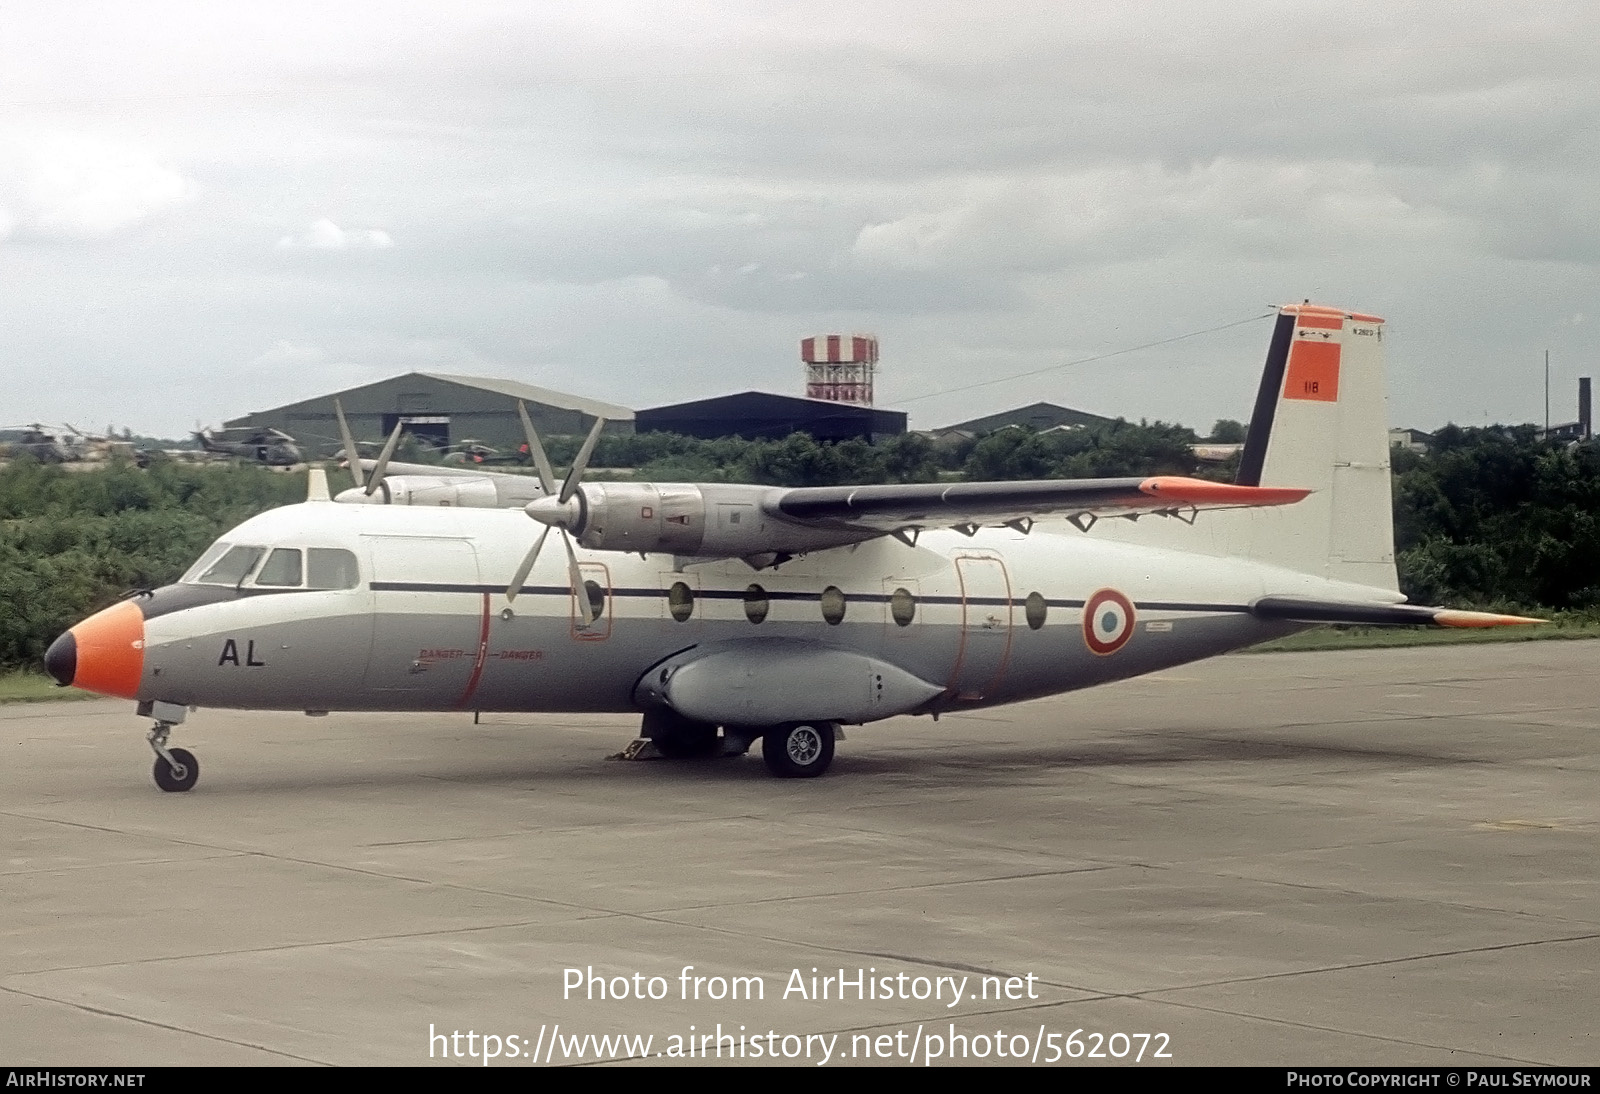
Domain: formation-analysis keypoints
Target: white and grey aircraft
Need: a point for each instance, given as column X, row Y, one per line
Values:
column 728, row 613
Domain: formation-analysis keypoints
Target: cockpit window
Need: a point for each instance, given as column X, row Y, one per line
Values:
column 233, row 567
column 281, row 568
column 203, row 563
column 331, row 568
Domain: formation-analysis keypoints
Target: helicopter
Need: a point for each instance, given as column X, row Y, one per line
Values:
column 472, row 451
column 46, row 445
column 268, row 446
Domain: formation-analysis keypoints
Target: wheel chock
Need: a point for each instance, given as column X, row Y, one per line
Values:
column 640, row 748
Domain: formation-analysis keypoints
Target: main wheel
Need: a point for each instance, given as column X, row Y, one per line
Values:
column 184, row 776
column 800, row 750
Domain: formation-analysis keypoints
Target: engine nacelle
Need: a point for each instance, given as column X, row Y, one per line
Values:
column 448, row 490
column 641, row 516
column 711, row 519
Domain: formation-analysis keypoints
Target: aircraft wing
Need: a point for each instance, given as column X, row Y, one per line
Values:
column 891, row 508
column 709, row 520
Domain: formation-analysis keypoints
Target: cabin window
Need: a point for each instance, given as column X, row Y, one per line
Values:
column 756, row 604
column 833, row 605
column 1035, row 608
column 903, row 607
column 331, row 568
column 597, row 599
column 680, row 601
column 281, row 568
column 233, row 567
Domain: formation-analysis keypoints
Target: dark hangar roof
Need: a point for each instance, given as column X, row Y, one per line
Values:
column 388, row 391
column 763, row 415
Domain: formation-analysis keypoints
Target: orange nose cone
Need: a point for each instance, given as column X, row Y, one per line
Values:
column 111, row 651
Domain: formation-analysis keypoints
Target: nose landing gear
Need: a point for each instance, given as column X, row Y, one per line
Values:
column 176, row 769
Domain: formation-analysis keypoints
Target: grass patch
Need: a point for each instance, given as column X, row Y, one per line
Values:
column 33, row 687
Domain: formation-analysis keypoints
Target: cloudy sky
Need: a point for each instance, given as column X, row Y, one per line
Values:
column 208, row 209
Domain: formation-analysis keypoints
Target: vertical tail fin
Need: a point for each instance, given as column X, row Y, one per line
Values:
column 1321, row 422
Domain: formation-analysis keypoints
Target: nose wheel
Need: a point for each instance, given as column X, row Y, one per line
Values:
column 175, row 769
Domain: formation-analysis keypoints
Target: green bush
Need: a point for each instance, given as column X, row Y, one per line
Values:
column 1499, row 516
column 73, row 541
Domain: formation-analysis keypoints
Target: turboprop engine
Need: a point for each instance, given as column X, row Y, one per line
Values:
column 715, row 520
column 482, row 492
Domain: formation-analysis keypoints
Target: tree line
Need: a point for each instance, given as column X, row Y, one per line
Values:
column 1493, row 517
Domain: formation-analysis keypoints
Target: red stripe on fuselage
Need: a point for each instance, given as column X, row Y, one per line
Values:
column 483, row 655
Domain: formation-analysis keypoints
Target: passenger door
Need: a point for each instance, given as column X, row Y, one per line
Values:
column 985, row 625
column 430, row 618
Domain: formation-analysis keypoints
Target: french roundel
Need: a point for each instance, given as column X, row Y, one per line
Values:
column 1107, row 622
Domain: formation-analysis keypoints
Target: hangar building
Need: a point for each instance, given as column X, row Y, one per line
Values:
column 1037, row 416
column 440, row 409
column 760, row 415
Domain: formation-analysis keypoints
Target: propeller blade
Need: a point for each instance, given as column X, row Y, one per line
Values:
column 570, row 487
column 575, row 575
column 383, row 460
column 541, row 462
column 527, row 566
column 351, row 455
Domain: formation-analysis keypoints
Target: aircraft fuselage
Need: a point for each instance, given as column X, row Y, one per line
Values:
column 992, row 618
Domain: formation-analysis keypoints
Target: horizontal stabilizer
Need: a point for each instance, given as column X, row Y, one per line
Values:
column 1298, row 609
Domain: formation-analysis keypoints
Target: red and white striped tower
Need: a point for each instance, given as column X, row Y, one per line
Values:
column 840, row 367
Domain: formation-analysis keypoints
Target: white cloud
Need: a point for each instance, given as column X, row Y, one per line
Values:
column 325, row 235
column 1116, row 212
column 81, row 186
column 650, row 197
column 286, row 352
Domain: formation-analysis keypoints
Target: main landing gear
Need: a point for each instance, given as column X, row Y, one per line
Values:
column 794, row 750
column 799, row 750
column 175, row 769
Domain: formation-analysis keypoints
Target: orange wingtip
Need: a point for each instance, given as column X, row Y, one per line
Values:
column 1448, row 618
column 1175, row 488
